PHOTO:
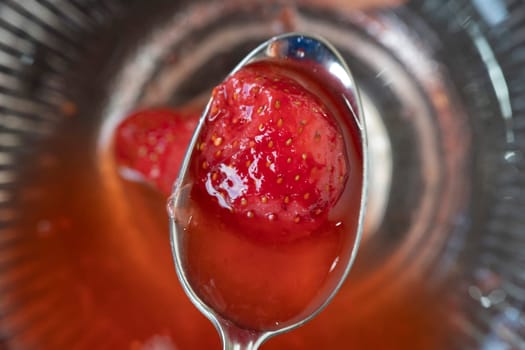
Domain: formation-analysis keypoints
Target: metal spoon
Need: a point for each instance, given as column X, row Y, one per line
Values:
column 326, row 61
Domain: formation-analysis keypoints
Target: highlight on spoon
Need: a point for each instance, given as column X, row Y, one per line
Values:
column 267, row 212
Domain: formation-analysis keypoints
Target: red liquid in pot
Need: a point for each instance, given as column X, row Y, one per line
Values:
column 95, row 270
column 91, row 268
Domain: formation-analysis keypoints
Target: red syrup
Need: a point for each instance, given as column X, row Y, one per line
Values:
column 275, row 186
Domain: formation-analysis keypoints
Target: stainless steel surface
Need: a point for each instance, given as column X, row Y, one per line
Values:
column 327, row 62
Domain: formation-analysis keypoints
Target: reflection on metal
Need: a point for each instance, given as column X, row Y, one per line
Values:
column 492, row 298
column 496, row 75
column 492, row 11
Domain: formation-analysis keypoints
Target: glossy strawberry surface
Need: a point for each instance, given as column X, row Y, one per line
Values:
column 270, row 154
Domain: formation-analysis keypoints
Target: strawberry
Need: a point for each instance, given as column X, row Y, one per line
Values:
column 269, row 155
column 151, row 143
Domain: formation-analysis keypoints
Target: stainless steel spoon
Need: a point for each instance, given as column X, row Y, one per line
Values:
column 324, row 59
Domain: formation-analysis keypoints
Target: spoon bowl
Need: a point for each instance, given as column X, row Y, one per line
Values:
column 327, row 67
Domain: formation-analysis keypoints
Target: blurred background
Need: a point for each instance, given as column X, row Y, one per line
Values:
column 85, row 261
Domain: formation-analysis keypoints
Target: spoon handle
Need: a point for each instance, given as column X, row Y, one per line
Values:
column 235, row 338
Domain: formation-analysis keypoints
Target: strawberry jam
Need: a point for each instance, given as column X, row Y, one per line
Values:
column 273, row 196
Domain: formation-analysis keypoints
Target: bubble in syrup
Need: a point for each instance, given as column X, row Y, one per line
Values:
column 170, row 206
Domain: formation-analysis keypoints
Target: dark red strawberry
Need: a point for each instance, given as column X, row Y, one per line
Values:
column 152, row 144
column 270, row 155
